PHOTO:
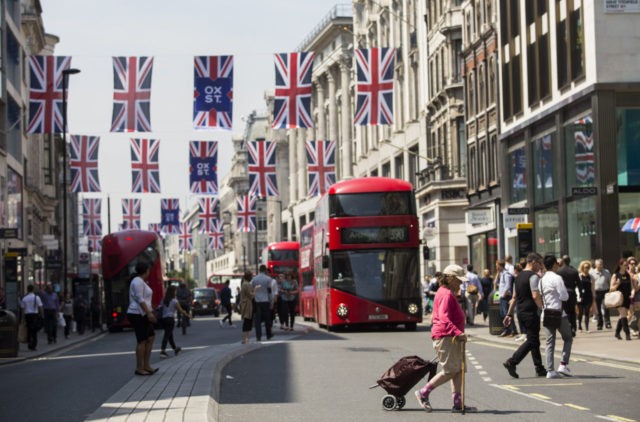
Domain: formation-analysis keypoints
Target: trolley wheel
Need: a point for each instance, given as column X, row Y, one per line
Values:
column 401, row 401
column 389, row 402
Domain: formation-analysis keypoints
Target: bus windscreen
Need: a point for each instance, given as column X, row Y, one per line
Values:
column 378, row 275
column 371, row 204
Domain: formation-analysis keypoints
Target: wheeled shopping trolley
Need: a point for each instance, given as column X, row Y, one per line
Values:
column 401, row 377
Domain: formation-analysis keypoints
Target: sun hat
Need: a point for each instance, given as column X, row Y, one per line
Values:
column 456, row 271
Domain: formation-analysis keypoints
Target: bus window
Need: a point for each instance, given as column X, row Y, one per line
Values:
column 370, row 204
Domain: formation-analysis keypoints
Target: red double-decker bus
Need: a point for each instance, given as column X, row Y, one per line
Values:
column 281, row 257
column 366, row 254
column 306, row 278
column 121, row 252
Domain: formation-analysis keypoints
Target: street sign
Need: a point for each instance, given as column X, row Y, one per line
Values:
column 8, row 233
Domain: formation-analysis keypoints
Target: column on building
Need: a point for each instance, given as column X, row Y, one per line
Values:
column 321, row 130
column 293, row 165
column 346, row 120
column 301, row 159
column 333, row 108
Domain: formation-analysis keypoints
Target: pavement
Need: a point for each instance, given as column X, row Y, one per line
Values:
column 187, row 389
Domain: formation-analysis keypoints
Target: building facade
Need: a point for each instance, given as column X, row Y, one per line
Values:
column 569, row 102
column 483, row 217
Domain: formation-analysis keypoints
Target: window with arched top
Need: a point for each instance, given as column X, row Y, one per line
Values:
column 491, row 94
column 471, row 98
column 481, row 88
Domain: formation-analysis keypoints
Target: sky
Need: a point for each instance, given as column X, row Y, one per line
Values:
column 173, row 32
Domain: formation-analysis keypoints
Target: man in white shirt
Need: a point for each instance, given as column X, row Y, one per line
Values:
column 32, row 310
column 508, row 265
column 554, row 293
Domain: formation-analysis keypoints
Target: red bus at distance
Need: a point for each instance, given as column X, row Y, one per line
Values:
column 365, row 254
column 306, row 279
column 121, row 252
column 281, row 258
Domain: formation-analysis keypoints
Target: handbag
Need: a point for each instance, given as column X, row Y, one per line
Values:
column 61, row 322
column 613, row 299
column 472, row 289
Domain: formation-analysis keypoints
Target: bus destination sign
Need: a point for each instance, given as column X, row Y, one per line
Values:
column 357, row 235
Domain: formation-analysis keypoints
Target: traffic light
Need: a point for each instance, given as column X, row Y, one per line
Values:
column 425, row 253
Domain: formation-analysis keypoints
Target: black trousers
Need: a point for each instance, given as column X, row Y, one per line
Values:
column 32, row 332
column 289, row 312
column 570, row 308
column 263, row 314
column 168, row 324
column 599, row 306
column 229, row 309
column 531, row 323
column 51, row 324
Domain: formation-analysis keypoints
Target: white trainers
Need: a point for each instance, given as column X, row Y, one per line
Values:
column 221, row 323
column 564, row 370
column 553, row 374
column 521, row 337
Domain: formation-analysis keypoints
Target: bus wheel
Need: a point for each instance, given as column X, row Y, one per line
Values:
column 410, row 326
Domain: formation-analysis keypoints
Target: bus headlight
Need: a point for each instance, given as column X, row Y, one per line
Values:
column 342, row 311
column 412, row 308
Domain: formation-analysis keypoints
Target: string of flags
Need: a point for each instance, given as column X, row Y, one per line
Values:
column 212, row 109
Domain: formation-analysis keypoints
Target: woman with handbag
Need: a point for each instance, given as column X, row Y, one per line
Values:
column 621, row 282
column 247, row 293
column 587, row 294
column 554, row 318
column 168, row 310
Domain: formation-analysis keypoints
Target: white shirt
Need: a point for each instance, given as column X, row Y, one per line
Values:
column 31, row 303
column 553, row 291
column 510, row 268
column 139, row 292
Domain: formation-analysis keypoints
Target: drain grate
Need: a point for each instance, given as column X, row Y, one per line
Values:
column 367, row 349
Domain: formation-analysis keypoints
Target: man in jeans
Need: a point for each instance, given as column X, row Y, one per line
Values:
column 601, row 280
column 51, row 305
column 527, row 296
column 553, row 293
column 504, row 284
column 262, row 284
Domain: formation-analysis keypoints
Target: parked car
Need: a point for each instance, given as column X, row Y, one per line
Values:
column 205, row 301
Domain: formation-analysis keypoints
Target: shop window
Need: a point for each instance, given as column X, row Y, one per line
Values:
column 544, row 171
column 628, row 146
column 518, row 175
column 629, row 207
column 580, row 161
column 581, row 229
column 547, row 231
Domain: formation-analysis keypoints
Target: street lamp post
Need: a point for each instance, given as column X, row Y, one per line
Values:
column 65, row 75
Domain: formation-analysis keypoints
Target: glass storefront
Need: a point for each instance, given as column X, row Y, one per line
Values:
column 518, row 175
column 629, row 207
column 547, row 231
column 628, row 146
column 580, row 161
column 544, row 170
column 581, row 229
column 484, row 251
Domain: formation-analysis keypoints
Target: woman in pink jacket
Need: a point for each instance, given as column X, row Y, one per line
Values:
column 447, row 332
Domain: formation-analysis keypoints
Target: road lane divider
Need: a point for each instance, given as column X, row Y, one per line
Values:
column 577, row 407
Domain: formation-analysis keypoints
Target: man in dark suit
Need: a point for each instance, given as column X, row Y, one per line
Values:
column 571, row 280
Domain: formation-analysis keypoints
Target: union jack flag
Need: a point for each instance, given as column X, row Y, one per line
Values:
column 374, row 105
column 262, row 168
column 155, row 228
column 94, row 243
column 292, row 101
column 145, row 169
column 321, row 166
column 170, row 215
column 203, row 167
column 45, row 93
column 246, row 213
column 216, row 237
column 91, row 217
column 632, row 225
column 585, row 157
column 84, row 164
column 130, row 214
column 544, row 170
column 185, row 239
column 208, row 214
column 131, row 94
column 213, row 92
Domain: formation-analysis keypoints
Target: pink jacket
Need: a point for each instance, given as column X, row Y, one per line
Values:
column 448, row 319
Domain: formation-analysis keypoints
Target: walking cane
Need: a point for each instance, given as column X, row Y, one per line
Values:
column 464, row 359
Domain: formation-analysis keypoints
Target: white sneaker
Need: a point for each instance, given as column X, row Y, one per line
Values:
column 553, row 374
column 221, row 323
column 232, row 326
column 521, row 337
column 564, row 370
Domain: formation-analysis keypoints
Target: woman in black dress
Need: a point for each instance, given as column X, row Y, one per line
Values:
column 586, row 294
column 621, row 281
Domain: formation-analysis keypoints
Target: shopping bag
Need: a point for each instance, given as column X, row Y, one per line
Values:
column 61, row 322
column 74, row 327
column 22, row 331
